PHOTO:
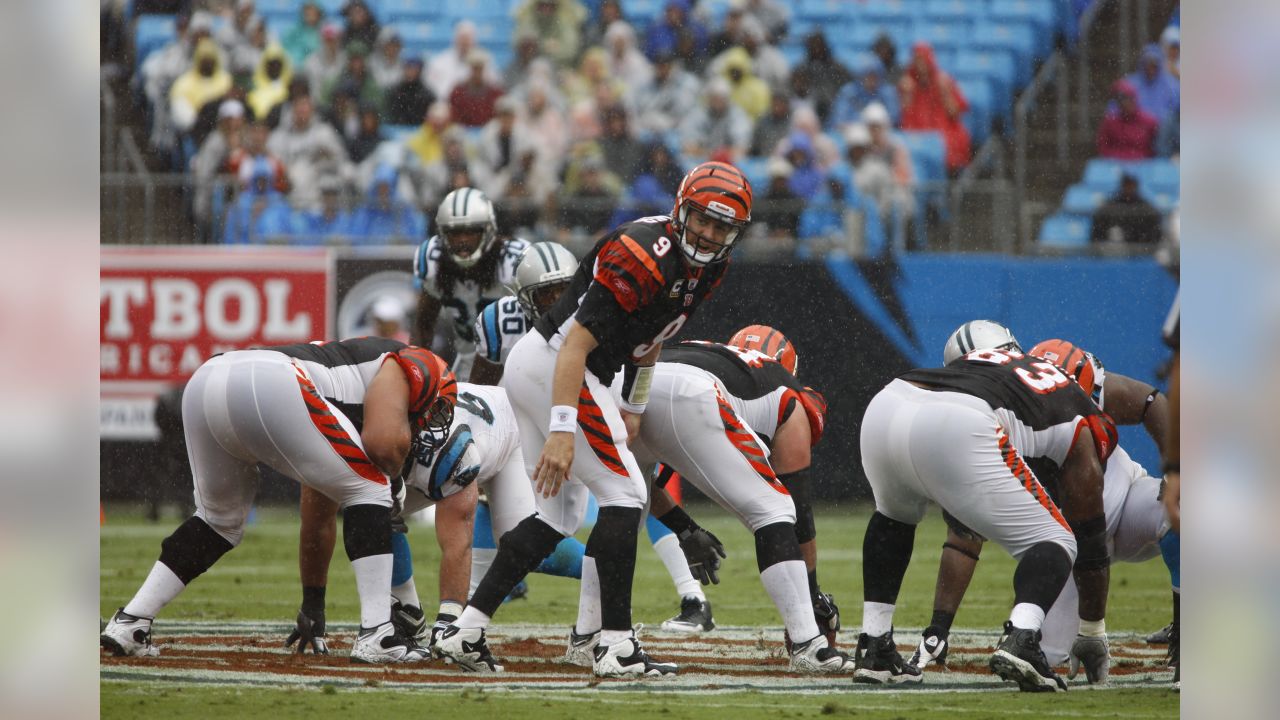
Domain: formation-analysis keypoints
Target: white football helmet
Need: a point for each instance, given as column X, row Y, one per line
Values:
column 543, row 264
column 466, row 210
column 978, row 335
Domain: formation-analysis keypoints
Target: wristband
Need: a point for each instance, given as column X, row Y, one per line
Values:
column 564, row 418
column 638, row 394
column 448, row 607
column 1171, row 466
column 678, row 521
column 1093, row 628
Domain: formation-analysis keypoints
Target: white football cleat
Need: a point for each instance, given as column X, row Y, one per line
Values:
column 467, row 647
column 627, row 658
column 381, row 646
column 127, row 635
column 581, row 649
column 817, row 658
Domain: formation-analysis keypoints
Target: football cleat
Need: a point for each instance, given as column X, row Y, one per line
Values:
column 1161, row 636
column 581, row 649
column 627, row 658
column 519, row 592
column 410, row 621
column 932, row 649
column 467, row 647
column 878, row 661
column 382, row 645
column 694, row 617
column 1019, row 658
column 815, row 657
column 127, row 635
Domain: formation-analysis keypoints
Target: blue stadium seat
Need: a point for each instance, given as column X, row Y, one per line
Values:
column 891, row 11
column 821, row 9
column 951, row 10
column 426, row 33
column 333, row 7
column 928, row 154
column 1042, row 15
column 390, row 12
column 862, row 35
column 477, row 10
column 1165, row 176
column 278, row 7
column 1103, row 174
column 641, row 12
column 998, row 67
column 1066, row 231
column 1082, row 199
column 1015, row 36
column 399, row 132
column 152, row 33
column 943, row 36
column 982, row 106
column 793, row 51
column 757, row 172
column 494, row 30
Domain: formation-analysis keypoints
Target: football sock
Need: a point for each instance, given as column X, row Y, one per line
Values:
column 565, row 560
column 472, row 618
column 406, row 593
column 609, row 637
column 158, row 590
column 1170, row 551
column 588, row 600
column 402, row 587
column 1027, row 616
column 1038, row 580
column 785, row 583
column 481, row 561
column 886, row 552
column 877, row 618
column 483, row 548
column 668, row 549
column 613, row 545
column 942, row 620
column 373, row 577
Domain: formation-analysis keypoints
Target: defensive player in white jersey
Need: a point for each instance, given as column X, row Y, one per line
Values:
column 337, row 417
column 543, row 274
column 481, row 452
column 960, row 436
column 1137, row 528
column 461, row 270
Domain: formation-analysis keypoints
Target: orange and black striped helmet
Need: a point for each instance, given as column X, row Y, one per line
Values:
column 433, row 390
column 767, row 341
column 1078, row 362
column 721, row 192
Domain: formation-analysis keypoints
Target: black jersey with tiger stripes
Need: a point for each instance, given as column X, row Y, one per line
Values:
column 1039, row 394
column 633, row 290
column 743, row 379
column 343, row 352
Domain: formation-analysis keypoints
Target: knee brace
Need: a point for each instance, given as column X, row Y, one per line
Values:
column 523, row 547
column 797, row 483
column 366, row 531
column 193, row 548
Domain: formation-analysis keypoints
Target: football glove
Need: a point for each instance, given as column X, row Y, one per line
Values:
column 309, row 631
column 932, row 649
column 1092, row 653
column 700, row 550
column 827, row 613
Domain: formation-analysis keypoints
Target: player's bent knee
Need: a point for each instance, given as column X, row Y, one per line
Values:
column 193, row 548
column 776, row 543
column 366, row 531
column 532, row 539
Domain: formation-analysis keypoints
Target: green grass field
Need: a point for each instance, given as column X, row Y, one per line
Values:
column 258, row 582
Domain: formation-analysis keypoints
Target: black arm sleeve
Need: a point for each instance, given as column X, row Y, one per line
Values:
column 797, row 483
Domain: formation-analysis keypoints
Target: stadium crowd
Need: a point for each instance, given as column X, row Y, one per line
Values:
column 334, row 132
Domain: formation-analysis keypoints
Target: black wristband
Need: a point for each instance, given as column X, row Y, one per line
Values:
column 678, row 521
column 312, row 599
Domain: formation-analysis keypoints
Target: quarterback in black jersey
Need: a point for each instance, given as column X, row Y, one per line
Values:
column 959, row 436
column 635, row 289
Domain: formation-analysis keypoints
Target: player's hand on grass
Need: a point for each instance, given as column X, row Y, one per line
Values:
column 1093, row 654
column 309, row 632
column 701, row 549
column 553, row 466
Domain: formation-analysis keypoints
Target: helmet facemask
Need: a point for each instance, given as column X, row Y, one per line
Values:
column 530, row 295
column 463, row 258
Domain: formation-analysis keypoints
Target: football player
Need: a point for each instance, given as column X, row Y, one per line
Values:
column 542, row 276
column 461, row 270
column 337, row 417
column 635, row 289
column 481, row 451
column 1137, row 528
column 704, row 399
column 960, row 436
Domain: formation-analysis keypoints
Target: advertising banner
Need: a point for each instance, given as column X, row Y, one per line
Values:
column 164, row 311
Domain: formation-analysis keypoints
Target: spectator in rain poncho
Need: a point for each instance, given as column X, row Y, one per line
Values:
column 324, row 66
column 407, row 101
column 501, row 139
column 204, row 83
column 827, row 75
column 1157, row 91
column 867, row 86
column 362, row 27
column 931, row 100
column 310, row 148
column 645, row 197
column 259, row 214
column 665, row 33
column 213, row 156
column 387, row 62
column 304, row 38
column 625, row 61
column 747, row 91
column 384, row 218
column 557, row 24
column 718, row 126
column 668, row 98
column 1127, row 132
column 270, row 81
column 806, row 176
column 449, row 67
column 329, row 224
